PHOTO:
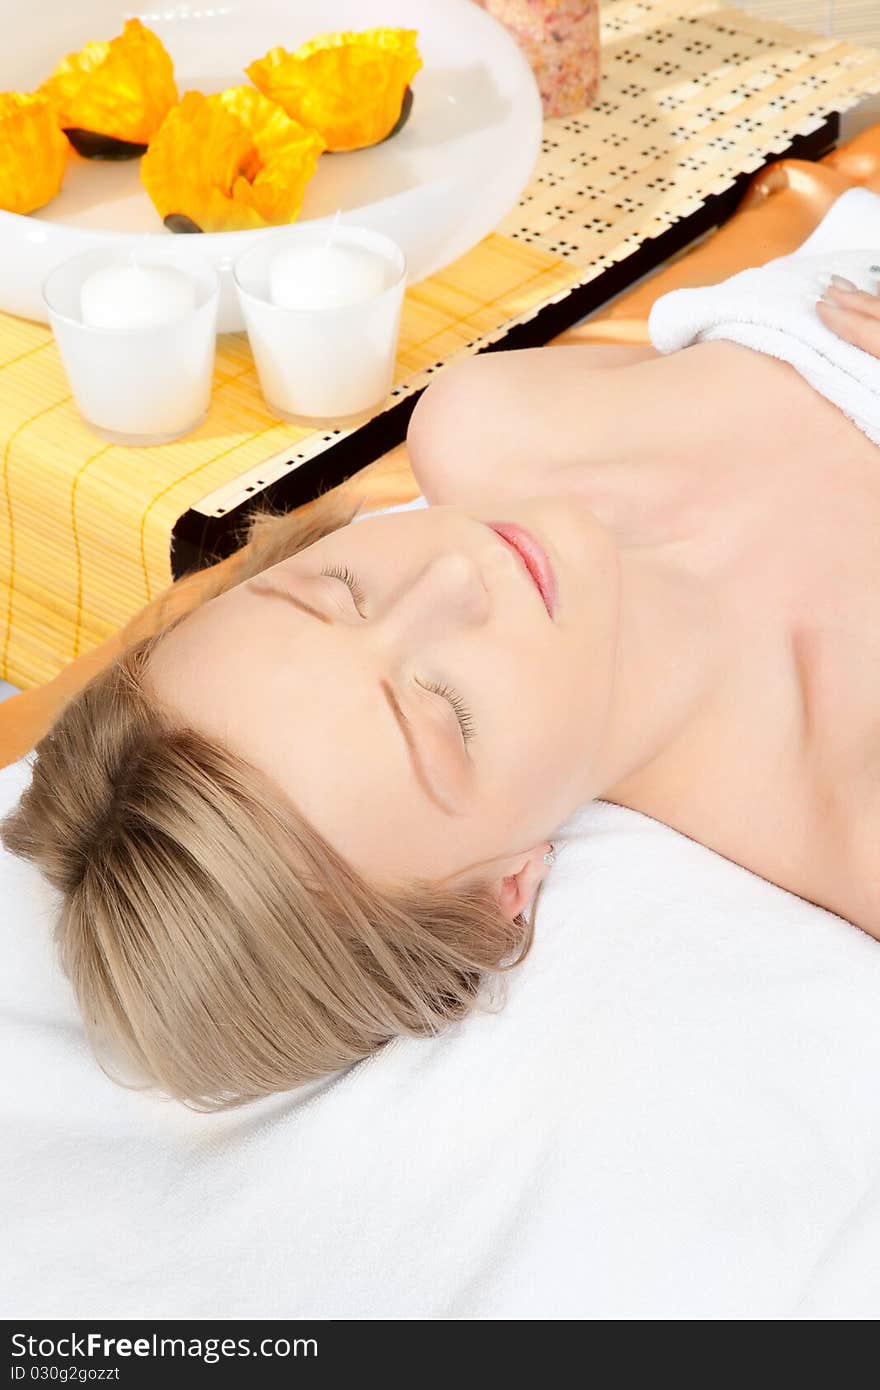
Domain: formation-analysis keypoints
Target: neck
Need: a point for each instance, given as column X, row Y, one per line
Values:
column 669, row 667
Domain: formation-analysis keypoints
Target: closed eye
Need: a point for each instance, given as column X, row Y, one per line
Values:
column 350, row 580
column 460, row 709
column 462, row 713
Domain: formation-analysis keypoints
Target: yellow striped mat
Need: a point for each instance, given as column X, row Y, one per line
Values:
column 692, row 95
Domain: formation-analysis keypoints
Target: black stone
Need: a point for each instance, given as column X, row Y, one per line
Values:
column 179, row 222
column 91, row 145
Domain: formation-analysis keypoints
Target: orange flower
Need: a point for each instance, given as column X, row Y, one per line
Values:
column 350, row 86
column 230, row 161
column 33, row 152
column 122, row 89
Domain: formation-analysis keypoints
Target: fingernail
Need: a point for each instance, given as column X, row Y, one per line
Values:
column 841, row 283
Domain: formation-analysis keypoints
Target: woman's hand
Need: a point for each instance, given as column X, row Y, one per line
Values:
column 851, row 314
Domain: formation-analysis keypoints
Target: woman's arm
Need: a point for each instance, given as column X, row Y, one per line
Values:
column 509, row 421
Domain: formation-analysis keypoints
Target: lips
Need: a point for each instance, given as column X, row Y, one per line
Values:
column 533, row 557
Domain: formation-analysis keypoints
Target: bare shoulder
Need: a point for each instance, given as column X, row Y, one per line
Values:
column 509, row 420
column 516, row 422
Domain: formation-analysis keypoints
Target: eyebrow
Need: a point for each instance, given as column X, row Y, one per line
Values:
column 401, row 720
column 270, row 591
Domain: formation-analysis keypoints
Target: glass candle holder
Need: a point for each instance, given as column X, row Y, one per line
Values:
column 137, row 332
column 322, row 312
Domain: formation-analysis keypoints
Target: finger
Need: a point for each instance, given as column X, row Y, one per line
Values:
column 854, row 299
column 861, row 330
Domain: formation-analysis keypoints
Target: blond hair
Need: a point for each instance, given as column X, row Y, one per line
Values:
column 214, row 941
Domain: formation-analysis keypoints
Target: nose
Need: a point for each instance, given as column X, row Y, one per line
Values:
column 447, row 595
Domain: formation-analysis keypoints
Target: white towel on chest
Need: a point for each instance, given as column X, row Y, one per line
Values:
column 771, row 308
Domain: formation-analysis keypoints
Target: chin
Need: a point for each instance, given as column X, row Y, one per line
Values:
column 583, row 546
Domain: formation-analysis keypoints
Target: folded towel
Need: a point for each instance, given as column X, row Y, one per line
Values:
column 771, row 308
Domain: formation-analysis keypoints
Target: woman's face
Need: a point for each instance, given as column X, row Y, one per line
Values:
column 405, row 685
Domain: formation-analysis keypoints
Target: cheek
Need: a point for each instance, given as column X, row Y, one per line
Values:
column 537, row 704
column 542, row 744
column 526, row 753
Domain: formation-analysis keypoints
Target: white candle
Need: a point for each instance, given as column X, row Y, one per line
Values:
column 132, row 296
column 323, row 320
column 326, row 277
column 136, row 339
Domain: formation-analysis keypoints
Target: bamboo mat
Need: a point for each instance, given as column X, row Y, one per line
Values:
column 692, row 95
column 856, row 20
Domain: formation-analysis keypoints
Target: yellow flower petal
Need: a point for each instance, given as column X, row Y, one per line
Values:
column 349, row 85
column 33, row 152
column 122, row 88
column 230, row 161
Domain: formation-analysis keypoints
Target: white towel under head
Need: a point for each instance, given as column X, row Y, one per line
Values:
column 771, row 308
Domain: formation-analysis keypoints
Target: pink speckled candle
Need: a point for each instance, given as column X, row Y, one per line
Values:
column 560, row 39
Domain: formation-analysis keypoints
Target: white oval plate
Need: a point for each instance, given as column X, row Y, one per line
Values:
column 438, row 187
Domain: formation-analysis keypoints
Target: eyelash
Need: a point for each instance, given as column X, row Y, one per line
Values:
column 351, row 581
column 462, row 713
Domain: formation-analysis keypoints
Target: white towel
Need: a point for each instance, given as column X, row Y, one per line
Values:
column 771, row 308
column 676, row 1115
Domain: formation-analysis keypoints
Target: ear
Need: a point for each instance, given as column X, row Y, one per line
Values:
column 517, row 879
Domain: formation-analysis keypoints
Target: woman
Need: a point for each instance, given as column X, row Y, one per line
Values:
column 313, row 814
